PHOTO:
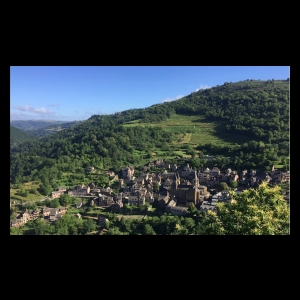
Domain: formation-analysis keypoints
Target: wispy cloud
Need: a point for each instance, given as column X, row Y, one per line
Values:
column 202, row 87
column 172, row 99
column 54, row 104
column 41, row 110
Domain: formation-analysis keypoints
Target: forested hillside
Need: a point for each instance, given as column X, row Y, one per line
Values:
column 257, row 110
column 18, row 136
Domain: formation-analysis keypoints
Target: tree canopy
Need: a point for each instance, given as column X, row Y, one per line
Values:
column 261, row 211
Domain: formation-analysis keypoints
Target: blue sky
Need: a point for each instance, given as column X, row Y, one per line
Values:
column 68, row 93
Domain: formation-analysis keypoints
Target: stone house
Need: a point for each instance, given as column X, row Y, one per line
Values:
column 178, row 210
column 16, row 223
column 127, row 172
column 136, row 200
column 62, row 189
column 116, row 207
column 46, row 211
column 163, row 200
column 105, row 200
column 172, row 203
column 221, row 196
column 56, row 194
column 56, row 213
column 80, row 190
column 208, row 205
column 62, row 210
column 149, row 197
column 186, row 171
column 110, row 173
column 215, row 171
column 102, row 220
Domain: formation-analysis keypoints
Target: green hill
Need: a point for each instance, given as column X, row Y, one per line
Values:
column 18, row 136
column 247, row 121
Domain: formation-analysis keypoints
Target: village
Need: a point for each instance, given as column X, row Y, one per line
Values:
column 172, row 188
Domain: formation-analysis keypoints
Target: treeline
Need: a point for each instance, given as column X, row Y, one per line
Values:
column 95, row 142
column 67, row 225
column 258, row 110
column 251, row 155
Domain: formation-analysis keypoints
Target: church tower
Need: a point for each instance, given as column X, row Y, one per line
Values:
column 196, row 191
column 196, row 180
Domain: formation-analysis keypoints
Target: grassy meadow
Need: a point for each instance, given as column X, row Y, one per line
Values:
column 196, row 130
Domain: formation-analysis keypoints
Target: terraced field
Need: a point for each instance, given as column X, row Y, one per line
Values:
column 196, row 130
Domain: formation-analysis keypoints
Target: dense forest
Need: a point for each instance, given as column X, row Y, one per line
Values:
column 257, row 109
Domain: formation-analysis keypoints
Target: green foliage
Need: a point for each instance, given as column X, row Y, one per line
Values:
column 54, row 203
column 148, row 230
column 192, row 209
column 31, row 205
column 69, row 225
column 65, row 199
column 18, row 136
column 223, row 186
column 261, row 211
column 33, row 191
column 41, row 227
column 233, row 184
column 45, row 189
column 88, row 226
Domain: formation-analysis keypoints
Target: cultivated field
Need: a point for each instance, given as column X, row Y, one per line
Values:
column 196, row 130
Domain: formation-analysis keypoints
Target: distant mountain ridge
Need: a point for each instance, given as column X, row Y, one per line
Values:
column 41, row 128
column 33, row 124
column 41, row 132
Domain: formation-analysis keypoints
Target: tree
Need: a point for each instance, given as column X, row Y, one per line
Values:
column 40, row 227
column 45, row 190
column 223, row 186
column 115, row 231
column 54, row 186
column 233, row 184
column 148, row 230
column 125, row 224
column 192, row 209
column 156, row 186
column 88, row 226
column 261, row 211
column 65, row 199
column 12, row 213
column 54, row 203
column 33, row 191
column 188, row 223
